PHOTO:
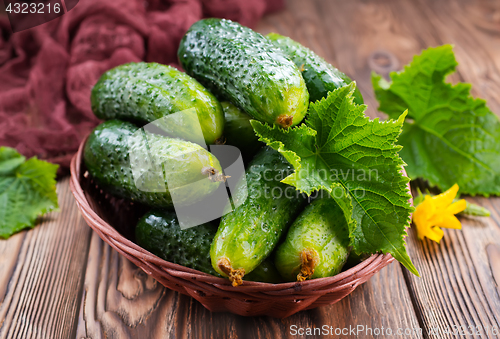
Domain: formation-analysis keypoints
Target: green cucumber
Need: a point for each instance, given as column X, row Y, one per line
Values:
column 242, row 66
column 239, row 132
column 145, row 92
column 247, row 235
column 320, row 76
column 159, row 232
column 112, row 145
column 265, row 272
column 317, row 243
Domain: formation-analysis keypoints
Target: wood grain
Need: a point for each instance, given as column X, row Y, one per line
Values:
column 458, row 286
column 41, row 274
column 120, row 301
column 349, row 34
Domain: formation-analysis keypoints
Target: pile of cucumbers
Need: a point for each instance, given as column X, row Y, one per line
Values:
column 233, row 74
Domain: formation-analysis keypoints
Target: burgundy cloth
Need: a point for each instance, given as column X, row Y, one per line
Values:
column 47, row 72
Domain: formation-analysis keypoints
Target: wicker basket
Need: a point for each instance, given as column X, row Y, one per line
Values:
column 216, row 294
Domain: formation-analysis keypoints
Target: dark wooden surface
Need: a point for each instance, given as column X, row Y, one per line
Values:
column 60, row 280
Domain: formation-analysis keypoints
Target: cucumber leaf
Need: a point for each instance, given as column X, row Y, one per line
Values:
column 451, row 137
column 27, row 190
column 342, row 151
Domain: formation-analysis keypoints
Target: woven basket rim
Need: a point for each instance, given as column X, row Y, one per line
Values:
column 128, row 248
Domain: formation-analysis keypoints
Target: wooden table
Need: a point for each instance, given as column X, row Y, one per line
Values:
column 60, row 280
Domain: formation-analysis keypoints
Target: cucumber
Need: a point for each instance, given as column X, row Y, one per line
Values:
column 107, row 156
column 317, row 243
column 159, row 232
column 243, row 67
column 320, row 76
column 247, row 235
column 145, row 92
column 239, row 132
column 265, row 272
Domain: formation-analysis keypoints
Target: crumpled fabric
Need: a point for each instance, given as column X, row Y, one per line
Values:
column 47, row 72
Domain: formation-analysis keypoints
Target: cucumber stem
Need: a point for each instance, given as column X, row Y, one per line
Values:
column 235, row 276
column 221, row 141
column 214, row 175
column 285, row 120
column 309, row 260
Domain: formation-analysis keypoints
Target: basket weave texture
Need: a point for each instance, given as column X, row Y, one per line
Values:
column 216, row 294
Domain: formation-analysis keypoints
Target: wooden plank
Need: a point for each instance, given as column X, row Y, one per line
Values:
column 457, row 291
column 41, row 274
column 349, row 35
column 474, row 30
column 459, row 284
column 120, row 301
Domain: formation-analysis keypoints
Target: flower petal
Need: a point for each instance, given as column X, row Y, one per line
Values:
column 436, row 234
column 422, row 229
column 457, row 207
column 444, row 199
column 450, row 221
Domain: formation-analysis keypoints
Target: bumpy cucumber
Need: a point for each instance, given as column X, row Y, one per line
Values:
column 265, row 272
column 242, row 66
column 320, row 76
column 247, row 235
column 317, row 243
column 178, row 162
column 159, row 232
column 145, row 92
column 239, row 132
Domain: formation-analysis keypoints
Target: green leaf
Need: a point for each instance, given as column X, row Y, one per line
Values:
column 451, row 137
column 354, row 158
column 27, row 190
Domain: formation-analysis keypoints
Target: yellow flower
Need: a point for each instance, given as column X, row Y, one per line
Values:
column 438, row 211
